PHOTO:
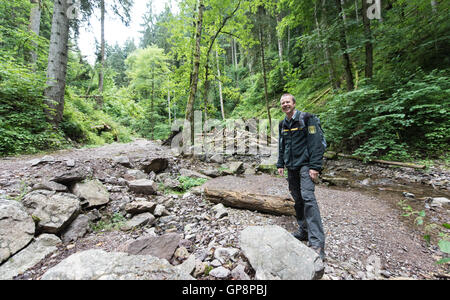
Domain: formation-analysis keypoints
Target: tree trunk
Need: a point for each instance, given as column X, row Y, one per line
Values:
column 206, row 88
column 211, row 44
column 168, row 105
column 344, row 49
column 434, row 10
column 35, row 24
column 251, row 192
column 333, row 155
column 368, row 43
column 263, row 64
column 220, row 87
column 288, row 41
column 102, row 56
column 195, row 72
column 57, row 63
column 152, row 101
column 235, row 61
column 335, row 82
column 323, row 45
column 206, row 84
column 344, row 16
column 234, row 52
column 434, row 6
column 280, row 47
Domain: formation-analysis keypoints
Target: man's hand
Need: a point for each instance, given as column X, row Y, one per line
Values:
column 281, row 171
column 313, row 174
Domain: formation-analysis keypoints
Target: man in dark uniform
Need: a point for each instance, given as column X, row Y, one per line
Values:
column 301, row 152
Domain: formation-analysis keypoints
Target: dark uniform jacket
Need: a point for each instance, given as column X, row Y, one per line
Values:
column 300, row 144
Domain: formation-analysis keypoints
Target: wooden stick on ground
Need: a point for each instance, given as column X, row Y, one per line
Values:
column 332, row 155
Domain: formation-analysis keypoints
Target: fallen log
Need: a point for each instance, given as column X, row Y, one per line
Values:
column 402, row 164
column 263, row 193
column 333, row 155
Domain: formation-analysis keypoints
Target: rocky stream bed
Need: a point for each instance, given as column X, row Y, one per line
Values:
column 363, row 207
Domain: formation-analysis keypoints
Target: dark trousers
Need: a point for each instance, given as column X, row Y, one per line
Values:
column 302, row 189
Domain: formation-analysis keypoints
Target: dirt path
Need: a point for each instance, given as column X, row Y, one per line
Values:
column 366, row 236
column 363, row 229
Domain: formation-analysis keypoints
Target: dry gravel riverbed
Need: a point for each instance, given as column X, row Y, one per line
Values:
column 366, row 235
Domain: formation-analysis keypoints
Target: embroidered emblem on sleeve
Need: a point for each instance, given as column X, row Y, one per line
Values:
column 312, row 129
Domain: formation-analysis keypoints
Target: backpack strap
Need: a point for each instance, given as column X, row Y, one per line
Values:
column 304, row 117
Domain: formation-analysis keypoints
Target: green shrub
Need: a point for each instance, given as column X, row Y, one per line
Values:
column 23, row 125
column 114, row 222
column 412, row 121
column 189, row 182
column 81, row 119
column 252, row 103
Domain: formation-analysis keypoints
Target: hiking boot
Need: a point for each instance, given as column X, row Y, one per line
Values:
column 300, row 235
column 320, row 251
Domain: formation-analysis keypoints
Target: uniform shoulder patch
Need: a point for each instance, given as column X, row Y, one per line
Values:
column 312, row 130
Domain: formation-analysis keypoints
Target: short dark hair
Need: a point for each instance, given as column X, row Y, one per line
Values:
column 285, row 95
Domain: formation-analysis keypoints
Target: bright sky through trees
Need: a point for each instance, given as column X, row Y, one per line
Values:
column 115, row 30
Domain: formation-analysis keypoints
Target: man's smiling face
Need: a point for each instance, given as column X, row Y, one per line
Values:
column 287, row 105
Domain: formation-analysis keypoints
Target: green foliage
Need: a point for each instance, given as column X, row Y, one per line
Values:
column 189, row 182
column 444, row 245
column 115, row 59
column 400, row 113
column 84, row 124
column 413, row 120
column 409, row 211
column 15, row 38
column 79, row 72
column 413, row 36
column 23, row 127
column 121, row 105
column 208, row 269
column 431, row 229
column 110, row 224
column 148, row 70
column 252, row 104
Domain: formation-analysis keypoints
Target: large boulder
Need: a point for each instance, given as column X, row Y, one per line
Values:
column 52, row 211
column 134, row 175
column 30, row 256
column 72, row 176
column 263, row 193
column 138, row 220
column 192, row 173
column 156, row 165
column 140, row 206
column 50, row 186
column 276, row 255
column 16, row 228
column 162, row 246
column 101, row 265
column 92, row 193
column 123, row 160
column 77, row 229
column 143, row 186
column 439, row 202
column 235, row 167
